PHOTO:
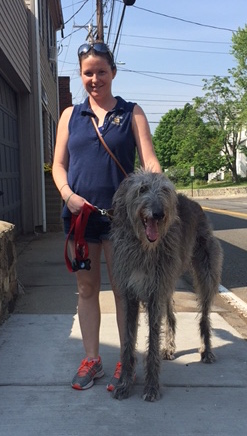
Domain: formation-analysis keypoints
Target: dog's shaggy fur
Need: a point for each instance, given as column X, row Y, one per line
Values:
column 157, row 235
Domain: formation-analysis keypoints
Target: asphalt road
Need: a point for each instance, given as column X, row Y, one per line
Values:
column 228, row 205
column 229, row 220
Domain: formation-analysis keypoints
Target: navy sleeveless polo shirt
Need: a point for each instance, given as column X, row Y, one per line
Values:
column 92, row 173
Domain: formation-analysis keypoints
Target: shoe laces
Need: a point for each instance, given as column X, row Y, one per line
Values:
column 118, row 370
column 85, row 367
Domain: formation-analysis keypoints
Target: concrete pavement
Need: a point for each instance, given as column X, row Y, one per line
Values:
column 40, row 349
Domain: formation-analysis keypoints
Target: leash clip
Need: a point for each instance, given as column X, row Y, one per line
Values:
column 103, row 212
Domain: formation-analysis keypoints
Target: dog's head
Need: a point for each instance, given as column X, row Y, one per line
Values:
column 148, row 202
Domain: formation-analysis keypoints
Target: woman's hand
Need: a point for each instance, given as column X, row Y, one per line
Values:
column 75, row 203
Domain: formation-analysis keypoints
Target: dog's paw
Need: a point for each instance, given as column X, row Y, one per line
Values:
column 207, row 357
column 151, row 394
column 167, row 354
column 121, row 391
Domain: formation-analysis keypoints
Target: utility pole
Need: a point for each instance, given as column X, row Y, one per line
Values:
column 100, row 27
column 90, row 28
column 100, row 31
column 126, row 3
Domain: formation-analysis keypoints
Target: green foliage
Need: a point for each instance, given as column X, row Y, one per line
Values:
column 221, row 108
column 239, row 50
column 183, row 140
column 47, row 167
column 164, row 144
column 239, row 73
column 137, row 161
column 179, row 176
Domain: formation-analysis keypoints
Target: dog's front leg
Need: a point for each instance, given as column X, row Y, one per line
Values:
column 125, row 383
column 151, row 389
column 167, row 352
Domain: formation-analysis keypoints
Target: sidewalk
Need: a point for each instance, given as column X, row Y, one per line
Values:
column 40, row 350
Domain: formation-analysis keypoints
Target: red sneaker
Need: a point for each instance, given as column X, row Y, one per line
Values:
column 88, row 371
column 116, row 376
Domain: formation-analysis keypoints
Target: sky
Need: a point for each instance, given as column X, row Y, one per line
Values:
column 164, row 51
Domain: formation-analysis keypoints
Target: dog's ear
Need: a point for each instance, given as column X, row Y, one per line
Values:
column 119, row 199
column 120, row 193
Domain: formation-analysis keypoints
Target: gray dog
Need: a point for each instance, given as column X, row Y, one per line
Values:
column 157, row 235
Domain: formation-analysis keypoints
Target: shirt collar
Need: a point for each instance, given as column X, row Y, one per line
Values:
column 86, row 110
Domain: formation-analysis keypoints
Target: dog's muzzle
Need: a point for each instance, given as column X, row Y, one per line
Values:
column 151, row 225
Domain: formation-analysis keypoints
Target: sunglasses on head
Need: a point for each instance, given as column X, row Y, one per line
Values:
column 99, row 47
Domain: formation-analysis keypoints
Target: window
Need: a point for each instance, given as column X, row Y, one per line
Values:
column 51, row 43
column 41, row 18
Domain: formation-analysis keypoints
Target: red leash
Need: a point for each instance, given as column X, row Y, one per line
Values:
column 78, row 224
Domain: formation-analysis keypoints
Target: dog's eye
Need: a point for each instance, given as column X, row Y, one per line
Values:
column 165, row 190
column 143, row 189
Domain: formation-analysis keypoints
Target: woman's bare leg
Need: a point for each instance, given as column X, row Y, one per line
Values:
column 88, row 284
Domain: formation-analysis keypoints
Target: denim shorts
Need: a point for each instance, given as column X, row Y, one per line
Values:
column 97, row 229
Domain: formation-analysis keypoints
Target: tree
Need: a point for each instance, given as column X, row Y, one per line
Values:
column 239, row 50
column 198, row 145
column 164, row 144
column 183, row 140
column 221, row 107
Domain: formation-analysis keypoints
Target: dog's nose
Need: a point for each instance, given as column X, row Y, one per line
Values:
column 158, row 215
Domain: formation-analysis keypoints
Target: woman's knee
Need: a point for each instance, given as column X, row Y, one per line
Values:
column 88, row 288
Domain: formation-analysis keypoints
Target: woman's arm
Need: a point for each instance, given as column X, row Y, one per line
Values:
column 61, row 162
column 61, row 157
column 144, row 143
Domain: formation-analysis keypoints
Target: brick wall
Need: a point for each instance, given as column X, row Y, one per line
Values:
column 65, row 96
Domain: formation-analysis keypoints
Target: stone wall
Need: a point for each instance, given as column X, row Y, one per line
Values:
column 8, row 275
column 215, row 192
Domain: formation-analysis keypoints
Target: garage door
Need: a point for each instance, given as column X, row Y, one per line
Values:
column 10, row 200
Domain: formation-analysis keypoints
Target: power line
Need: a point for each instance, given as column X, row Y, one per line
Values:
column 154, row 72
column 111, row 21
column 157, row 94
column 76, row 12
column 185, row 21
column 119, row 28
column 154, row 113
column 160, row 78
column 175, row 39
column 163, row 101
column 161, row 104
column 171, row 74
column 175, row 49
column 69, row 6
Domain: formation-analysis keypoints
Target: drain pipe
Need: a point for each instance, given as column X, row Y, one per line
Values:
column 36, row 15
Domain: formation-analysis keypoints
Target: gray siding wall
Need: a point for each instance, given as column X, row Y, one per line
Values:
column 14, row 38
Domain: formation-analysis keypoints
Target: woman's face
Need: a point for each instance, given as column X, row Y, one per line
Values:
column 97, row 76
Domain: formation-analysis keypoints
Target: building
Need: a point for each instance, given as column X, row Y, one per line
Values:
column 242, row 156
column 241, row 160
column 29, row 107
column 65, row 96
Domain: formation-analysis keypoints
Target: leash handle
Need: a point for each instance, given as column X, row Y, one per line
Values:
column 78, row 224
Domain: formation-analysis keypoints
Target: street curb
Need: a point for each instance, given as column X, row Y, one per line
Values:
column 235, row 301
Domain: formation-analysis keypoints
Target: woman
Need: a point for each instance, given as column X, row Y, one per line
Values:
column 86, row 174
